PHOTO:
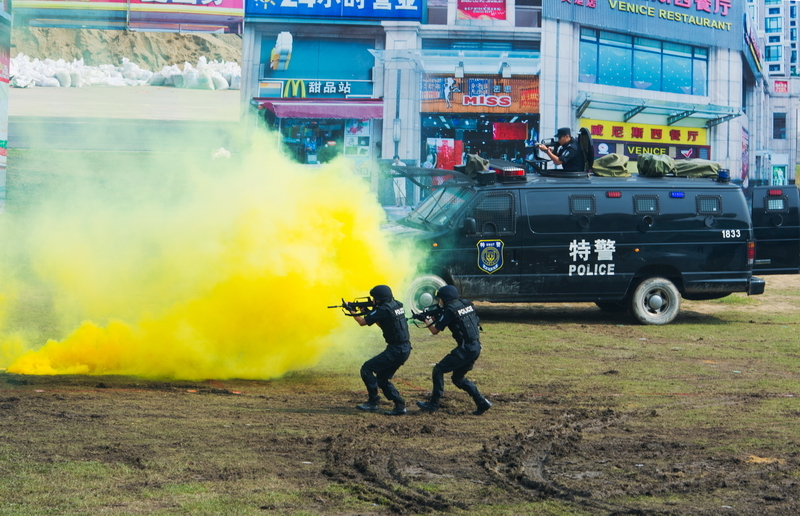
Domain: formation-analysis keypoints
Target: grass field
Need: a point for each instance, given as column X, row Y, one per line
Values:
column 592, row 414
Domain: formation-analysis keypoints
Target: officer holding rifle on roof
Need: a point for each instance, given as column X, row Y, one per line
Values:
column 567, row 153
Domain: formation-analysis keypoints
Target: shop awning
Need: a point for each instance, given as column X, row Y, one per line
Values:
column 707, row 115
column 321, row 108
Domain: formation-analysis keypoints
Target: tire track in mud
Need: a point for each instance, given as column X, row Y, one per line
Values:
column 523, row 462
column 556, row 462
column 592, row 459
column 387, row 474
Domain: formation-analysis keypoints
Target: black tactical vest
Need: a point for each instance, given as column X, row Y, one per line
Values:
column 395, row 332
column 466, row 325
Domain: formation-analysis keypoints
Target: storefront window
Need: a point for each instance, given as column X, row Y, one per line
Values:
column 313, row 141
column 699, row 77
column 588, row 62
column 647, row 64
column 615, row 66
column 447, row 138
column 631, row 62
column 677, row 68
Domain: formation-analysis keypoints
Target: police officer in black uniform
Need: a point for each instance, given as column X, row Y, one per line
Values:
column 377, row 372
column 458, row 315
column 568, row 153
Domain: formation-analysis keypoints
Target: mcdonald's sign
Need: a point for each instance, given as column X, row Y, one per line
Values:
column 294, row 88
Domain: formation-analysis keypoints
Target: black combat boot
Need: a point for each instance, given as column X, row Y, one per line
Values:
column 372, row 405
column 428, row 406
column 483, row 406
column 398, row 410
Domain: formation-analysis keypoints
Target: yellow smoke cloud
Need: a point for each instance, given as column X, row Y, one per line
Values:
column 197, row 272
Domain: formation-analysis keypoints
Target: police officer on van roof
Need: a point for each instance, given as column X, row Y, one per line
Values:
column 568, row 153
column 378, row 371
column 458, row 315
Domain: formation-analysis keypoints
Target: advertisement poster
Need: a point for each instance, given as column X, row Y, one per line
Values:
column 356, row 137
column 443, row 153
column 481, row 10
column 778, row 175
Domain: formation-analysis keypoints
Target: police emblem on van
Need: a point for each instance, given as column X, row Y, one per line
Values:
column 490, row 255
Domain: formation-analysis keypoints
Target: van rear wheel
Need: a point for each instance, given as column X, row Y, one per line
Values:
column 655, row 301
column 420, row 293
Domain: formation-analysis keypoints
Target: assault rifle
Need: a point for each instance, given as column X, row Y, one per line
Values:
column 433, row 311
column 547, row 142
column 361, row 305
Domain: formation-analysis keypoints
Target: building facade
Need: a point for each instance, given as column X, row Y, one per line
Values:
column 775, row 27
column 432, row 81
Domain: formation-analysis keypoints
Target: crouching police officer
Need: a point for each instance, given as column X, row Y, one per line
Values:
column 377, row 372
column 458, row 315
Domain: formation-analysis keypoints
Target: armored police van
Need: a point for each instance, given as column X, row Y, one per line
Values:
column 625, row 243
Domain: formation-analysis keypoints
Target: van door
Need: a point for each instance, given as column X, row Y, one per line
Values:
column 484, row 253
column 776, row 226
column 569, row 255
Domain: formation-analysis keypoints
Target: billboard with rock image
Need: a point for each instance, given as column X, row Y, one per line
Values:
column 223, row 16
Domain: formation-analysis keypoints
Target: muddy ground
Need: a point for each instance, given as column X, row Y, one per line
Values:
column 548, row 449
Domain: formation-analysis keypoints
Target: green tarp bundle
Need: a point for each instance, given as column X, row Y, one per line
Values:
column 697, row 168
column 655, row 165
column 611, row 165
column 659, row 165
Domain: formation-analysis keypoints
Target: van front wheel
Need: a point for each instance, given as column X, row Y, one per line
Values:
column 655, row 301
column 420, row 293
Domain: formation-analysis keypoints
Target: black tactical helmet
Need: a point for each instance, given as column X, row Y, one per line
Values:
column 447, row 293
column 381, row 293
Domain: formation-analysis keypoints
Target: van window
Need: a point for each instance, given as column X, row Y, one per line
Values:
column 494, row 214
column 582, row 205
column 709, row 205
column 645, row 204
column 437, row 209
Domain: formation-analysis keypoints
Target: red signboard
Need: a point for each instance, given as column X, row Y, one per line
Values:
column 781, row 87
column 509, row 131
column 481, row 9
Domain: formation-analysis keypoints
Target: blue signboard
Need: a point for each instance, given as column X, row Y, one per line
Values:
column 699, row 22
column 373, row 9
